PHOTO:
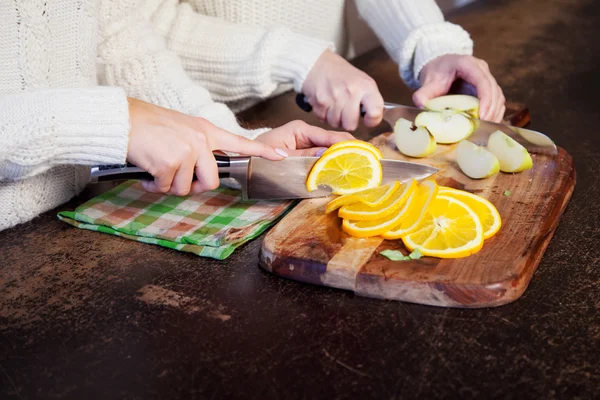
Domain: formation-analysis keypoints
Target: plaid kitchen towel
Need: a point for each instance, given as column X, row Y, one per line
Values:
column 211, row 224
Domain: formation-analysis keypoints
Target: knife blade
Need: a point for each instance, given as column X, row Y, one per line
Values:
column 262, row 179
column 286, row 179
column 533, row 141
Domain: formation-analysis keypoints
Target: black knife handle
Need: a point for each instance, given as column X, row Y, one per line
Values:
column 303, row 103
column 129, row 171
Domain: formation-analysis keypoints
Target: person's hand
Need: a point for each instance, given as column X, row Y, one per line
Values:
column 336, row 90
column 438, row 75
column 297, row 138
column 171, row 146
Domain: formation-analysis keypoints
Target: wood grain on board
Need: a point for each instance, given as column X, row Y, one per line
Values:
column 309, row 246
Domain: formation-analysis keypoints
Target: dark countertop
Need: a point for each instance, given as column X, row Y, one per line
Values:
column 87, row 315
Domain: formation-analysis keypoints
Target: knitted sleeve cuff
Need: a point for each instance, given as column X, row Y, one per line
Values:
column 297, row 55
column 62, row 126
column 429, row 42
column 92, row 125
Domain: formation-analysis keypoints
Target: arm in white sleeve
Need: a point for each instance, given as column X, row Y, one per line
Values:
column 235, row 61
column 414, row 33
column 133, row 56
column 43, row 128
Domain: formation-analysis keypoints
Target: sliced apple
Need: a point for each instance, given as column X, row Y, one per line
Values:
column 413, row 141
column 513, row 157
column 475, row 161
column 458, row 102
column 448, row 126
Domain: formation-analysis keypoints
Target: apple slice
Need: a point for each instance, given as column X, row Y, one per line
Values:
column 446, row 126
column 475, row 161
column 413, row 141
column 512, row 155
column 457, row 102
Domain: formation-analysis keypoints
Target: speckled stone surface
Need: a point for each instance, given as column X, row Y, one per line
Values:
column 87, row 315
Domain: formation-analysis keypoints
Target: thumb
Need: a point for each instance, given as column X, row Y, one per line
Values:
column 429, row 91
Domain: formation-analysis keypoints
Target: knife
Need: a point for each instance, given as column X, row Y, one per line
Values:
column 262, row 179
column 534, row 142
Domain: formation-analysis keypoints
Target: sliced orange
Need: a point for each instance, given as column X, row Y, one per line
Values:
column 371, row 197
column 356, row 143
column 346, row 170
column 485, row 210
column 419, row 204
column 450, row 229
column 363, row 212
column 377, row 226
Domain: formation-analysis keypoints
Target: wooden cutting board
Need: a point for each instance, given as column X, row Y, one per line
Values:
column 308, row 245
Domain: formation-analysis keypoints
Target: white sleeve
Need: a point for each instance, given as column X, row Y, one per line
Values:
column 414, row 33
column 234, row 61
column 43, row 128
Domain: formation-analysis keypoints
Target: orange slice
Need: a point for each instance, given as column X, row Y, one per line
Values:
column 377, row 226
column 346, row 170
column 485, row 210
column 356, row 143
column 419, row 204
column 371, row 197
column 363, row 212
column 450, row 229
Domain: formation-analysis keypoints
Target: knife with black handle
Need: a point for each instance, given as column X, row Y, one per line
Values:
column 112, row 172
column 260, row 178
column 533, row 141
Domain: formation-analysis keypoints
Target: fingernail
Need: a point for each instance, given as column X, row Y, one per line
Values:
column 320, row 152
column 145, row 185
column 281, row 153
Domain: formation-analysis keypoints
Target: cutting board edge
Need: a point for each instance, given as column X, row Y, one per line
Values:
column 425, row 293
column 305, row 271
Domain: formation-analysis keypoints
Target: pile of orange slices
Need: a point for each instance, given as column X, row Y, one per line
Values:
column 438, row 221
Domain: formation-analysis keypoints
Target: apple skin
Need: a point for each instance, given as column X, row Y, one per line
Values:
column 513, row 157
column 475, row 161
column 459, row 102
column 447, row 126
column 413, row 141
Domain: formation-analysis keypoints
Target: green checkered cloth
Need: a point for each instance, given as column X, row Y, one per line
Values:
column 211, row 224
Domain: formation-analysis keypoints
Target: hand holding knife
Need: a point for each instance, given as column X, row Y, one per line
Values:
column 533, row 141
column 262, row 179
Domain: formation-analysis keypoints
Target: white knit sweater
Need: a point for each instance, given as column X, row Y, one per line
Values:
column 245, row 50
column 55, row 120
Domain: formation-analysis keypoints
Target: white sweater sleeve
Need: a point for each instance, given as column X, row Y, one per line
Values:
column 43, row 128
column 134, row 56
column 234, row 61
column 414, row 33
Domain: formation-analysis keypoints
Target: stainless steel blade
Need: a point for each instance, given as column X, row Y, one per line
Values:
column 534, row 142
column 286, row 179
column 402, row 171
